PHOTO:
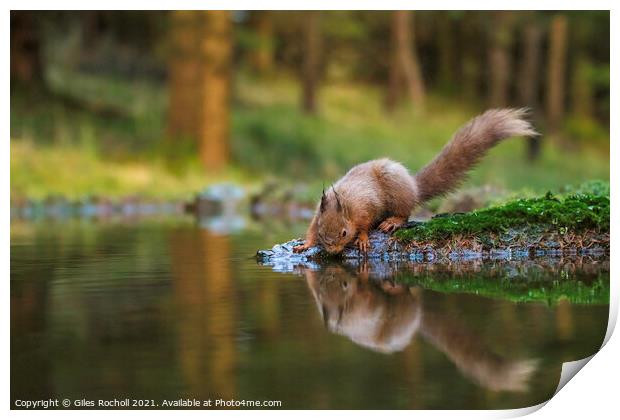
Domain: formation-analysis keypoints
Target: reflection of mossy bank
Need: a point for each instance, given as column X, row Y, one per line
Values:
column 576, row 221
column 547, row 279
column 578, row 280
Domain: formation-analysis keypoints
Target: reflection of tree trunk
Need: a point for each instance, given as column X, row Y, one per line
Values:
column 262, row 55
column 310, row 71
column 404, row 66
column 564, row 320
column 29, row 300
column 556, row 71
column 413, row 371
column 268, row 315
column 26, row 63
column 220, row 311
column 202, row 282
column 216, row 55
column 499, row 59
column 528, row 78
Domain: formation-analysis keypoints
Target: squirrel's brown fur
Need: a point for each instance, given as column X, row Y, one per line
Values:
column 381, row 193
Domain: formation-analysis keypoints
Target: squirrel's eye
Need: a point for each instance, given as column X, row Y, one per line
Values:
column 344, row 233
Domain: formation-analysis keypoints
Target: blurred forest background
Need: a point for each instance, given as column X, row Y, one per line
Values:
column 161, row 104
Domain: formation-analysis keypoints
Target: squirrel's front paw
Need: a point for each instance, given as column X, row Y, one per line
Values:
column 363, row 243
column 300, row 248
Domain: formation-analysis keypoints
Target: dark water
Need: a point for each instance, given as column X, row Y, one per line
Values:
column 167, row 310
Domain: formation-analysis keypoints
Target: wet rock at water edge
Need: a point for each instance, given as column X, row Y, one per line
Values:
column 383, row 247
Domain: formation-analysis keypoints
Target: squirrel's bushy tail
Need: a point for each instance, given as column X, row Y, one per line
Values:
column 468, row 145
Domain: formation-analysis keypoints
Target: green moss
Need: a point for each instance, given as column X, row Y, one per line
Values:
column 576, row 212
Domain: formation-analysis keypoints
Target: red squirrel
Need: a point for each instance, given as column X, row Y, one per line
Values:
column 382, row 193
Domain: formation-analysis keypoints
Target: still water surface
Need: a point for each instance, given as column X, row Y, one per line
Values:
column 165, row 309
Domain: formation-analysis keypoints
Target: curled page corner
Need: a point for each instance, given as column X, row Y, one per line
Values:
column 613, row 318
column 521, row 412
column 570, row 369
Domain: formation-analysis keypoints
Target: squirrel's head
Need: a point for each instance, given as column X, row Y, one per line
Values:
column 335, row 230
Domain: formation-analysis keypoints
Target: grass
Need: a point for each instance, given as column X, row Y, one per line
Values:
column 74, row 173
column 70, row 151
column 575, row 213
column 352, row 127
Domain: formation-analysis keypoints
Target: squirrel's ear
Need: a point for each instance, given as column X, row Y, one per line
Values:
column 338, row 205
column 323, row 201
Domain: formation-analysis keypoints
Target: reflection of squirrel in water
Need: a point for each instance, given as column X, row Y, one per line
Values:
column 385, row 317
column 382, row 192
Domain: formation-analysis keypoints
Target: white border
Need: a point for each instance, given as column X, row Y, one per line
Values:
column 593, row 393
column 311, row 5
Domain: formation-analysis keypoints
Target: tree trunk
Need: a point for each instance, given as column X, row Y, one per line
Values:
column 395, row 74
column 446, row 52
column 556, row 71
column 404, row 66
column 184, row 70
column 199, row 86
column 262, row 56
column 470, row 43
column 26, row 63
column 215, row 50
column 499, row 60
column 311, row 61
column 582, row 91
column 90, row 21
column 529, row 80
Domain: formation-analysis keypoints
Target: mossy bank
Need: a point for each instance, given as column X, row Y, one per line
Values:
column 574, row 222
column 577, row 221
